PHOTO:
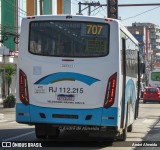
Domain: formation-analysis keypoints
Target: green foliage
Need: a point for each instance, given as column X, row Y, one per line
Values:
column 11, row 98
column 9, row 102
column 10, row 71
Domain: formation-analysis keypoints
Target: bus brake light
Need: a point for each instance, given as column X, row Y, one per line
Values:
column 23, row 88
column 108, row 19
column 110, row 92
column 31, row 17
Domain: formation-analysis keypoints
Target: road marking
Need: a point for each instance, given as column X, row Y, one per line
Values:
column 3, row 120
column 13, row 122
column 149, row 121
column 19, row 136
column 7, row 121
column 1, row 116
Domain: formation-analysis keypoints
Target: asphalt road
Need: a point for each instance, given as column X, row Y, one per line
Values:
column 146, row 128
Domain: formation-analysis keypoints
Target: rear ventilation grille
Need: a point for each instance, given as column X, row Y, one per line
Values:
column 65, row 116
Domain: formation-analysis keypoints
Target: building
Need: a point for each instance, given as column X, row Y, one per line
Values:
column 11, row 14
column 46, row 7
column 150, row 36
column 154, row 35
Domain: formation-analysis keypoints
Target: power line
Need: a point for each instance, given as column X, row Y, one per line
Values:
column 105, row 11
column 150, row 4
column 96, row 13
column 88, row 6
column 141, row 13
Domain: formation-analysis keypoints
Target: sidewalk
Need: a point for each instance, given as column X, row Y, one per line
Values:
column 5, row 112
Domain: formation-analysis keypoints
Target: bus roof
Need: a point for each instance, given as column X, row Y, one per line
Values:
column 83, row 18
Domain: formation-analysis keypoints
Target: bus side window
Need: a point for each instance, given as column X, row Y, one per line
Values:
column 123, row 55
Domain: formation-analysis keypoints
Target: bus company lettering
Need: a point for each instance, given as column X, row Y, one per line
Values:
column 52, row 89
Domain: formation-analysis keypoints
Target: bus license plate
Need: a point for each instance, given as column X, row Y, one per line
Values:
column 63, row 97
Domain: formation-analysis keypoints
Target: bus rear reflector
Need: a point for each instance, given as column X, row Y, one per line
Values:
column 23, row 88
column 110, row 92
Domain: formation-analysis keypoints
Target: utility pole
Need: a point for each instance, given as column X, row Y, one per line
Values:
column 16, row 46
column 89, row 5
column 112, row 7
column 40, row 7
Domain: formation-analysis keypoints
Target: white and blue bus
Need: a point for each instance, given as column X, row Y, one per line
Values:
column 77, row 72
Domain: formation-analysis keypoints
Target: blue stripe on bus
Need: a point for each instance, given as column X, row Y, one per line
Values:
column 100, row 116
column 66, row 76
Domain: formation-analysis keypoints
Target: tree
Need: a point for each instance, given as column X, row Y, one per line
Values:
column 10, row 71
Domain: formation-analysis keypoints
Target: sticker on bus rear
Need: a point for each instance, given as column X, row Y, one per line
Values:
column 39, row 89
column 62, row 97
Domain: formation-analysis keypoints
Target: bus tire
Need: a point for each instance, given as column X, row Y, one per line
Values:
column 40, row 132
column 53, row 133
column 130, row 127
column 123, row 136
column 136, row 110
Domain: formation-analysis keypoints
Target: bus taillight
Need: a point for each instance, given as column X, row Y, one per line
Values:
column 23, row 88
column 111, row 90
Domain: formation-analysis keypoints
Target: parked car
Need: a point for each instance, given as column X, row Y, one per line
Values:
column 151, row 94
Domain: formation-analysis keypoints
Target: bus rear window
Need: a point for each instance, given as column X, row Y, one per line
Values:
column 69, row 39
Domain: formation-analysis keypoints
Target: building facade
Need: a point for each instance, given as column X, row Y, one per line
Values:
column 11, row 14
column 151, row 39
column 148, row 34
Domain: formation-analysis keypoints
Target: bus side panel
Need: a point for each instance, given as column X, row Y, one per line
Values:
column 128, row 69
column 130, row 99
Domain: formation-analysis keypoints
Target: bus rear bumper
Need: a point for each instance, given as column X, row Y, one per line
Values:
column 31, row 114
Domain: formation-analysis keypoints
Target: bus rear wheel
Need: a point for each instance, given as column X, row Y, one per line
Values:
column 130, row 127
column 43, row 131
column 123, row 136
column 54, row 133
column 40, row 131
